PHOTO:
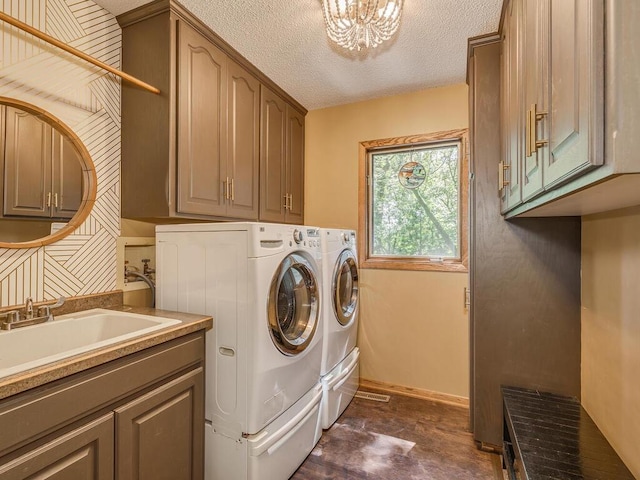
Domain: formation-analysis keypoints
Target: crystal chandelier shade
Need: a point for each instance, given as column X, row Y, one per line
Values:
column 358, row 24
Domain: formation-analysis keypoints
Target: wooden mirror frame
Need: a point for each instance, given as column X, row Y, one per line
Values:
column 90, row 179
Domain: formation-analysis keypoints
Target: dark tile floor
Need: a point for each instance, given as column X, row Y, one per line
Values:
column 405, row 439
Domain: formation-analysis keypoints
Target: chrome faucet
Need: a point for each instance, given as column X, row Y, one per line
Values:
column 17, row 318
column 28, row 308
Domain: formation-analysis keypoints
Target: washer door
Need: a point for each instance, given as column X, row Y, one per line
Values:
column 293, row 305
column 345, row 287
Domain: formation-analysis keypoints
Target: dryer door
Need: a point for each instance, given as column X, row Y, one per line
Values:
column 293, row 304
column 345, row 287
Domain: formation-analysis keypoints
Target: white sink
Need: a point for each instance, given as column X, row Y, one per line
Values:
column 28, row 347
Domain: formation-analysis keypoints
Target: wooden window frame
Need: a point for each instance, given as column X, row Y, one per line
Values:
column 407, row 263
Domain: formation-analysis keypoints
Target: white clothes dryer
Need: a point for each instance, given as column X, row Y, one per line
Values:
column 261, row 284
column 340, row 357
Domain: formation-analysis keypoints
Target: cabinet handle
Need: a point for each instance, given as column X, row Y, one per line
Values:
column 225, row 189
column 290, row 202
column 55, row 200
column 533, row 117
column 232, row 190
column 502, row 167
column 49, row 199
column 527, row 134
column 286, row 201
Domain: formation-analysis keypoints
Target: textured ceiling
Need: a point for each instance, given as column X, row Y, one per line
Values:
column 286, row 40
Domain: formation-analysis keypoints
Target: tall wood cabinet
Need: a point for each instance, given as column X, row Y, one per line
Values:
column 552, row 95
column 41, row 169
column 281, row 161
column 194, row 151
column 524, row 273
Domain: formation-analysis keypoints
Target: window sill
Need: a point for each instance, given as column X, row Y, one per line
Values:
column 415, row 265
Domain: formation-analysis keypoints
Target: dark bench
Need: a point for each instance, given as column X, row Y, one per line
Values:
column 549, row 436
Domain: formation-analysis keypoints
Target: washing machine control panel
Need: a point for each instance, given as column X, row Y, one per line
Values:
column 309, row 237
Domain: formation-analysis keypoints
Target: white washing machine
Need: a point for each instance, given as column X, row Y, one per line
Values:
column 261, row 284
column 340, row 368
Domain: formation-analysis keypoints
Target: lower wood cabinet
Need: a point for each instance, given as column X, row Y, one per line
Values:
column 155, row 433
column 83, row 453
column 137, row 418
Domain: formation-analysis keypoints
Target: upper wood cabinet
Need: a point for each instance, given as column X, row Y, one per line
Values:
column 218, row 131
column 295, row 166
column 202, row 124
column 512, row 106
column 552, row 95
column 244, row 142
column 572, row 120
column 194, row 150
column 281, row 161
column 42, row 170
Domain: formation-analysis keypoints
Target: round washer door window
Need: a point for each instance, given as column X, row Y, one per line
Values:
column 293, row 305
column 345, row 287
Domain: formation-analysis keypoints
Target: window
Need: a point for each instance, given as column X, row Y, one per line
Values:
column 413, row 202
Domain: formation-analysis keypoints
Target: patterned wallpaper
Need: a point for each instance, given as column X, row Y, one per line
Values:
column 87, row 99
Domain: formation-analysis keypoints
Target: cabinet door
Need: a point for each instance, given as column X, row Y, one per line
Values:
column 295, row 166
column 243, row 145
column 160, row 436
column 272, row 156
column 67, row 178
column 535, row 93
column 202, row 123
column 83, row 454
column 575, row 78
column 27, row 165
column 512, row 105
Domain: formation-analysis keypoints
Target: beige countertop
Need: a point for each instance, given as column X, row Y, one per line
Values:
column 20, row 382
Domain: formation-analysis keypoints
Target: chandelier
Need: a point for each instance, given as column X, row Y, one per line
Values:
column 358, row 24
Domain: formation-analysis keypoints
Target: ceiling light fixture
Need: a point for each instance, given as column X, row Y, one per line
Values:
column 358, row 24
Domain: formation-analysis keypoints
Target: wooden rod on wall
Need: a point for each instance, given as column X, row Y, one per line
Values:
column 73, row 51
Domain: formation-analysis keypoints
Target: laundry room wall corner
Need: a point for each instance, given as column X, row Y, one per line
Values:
column 417, row 341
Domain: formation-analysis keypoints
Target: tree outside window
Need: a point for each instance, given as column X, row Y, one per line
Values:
column 414, row 195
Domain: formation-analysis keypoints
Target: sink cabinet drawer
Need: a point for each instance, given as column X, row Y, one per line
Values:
column 32, row 415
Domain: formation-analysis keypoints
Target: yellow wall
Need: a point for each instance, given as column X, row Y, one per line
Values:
column 413, row 325
column 611, row 328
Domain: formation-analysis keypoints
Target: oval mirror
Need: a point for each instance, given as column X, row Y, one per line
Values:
column 48, row 182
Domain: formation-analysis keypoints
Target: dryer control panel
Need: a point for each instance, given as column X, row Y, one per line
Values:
column 348, row 237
